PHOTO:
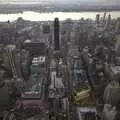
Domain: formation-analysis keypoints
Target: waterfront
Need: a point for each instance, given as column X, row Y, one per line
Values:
column 36, row 16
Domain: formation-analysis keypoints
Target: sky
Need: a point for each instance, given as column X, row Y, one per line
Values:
column 63, row 1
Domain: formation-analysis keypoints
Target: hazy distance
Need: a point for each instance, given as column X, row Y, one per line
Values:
column 90, row 2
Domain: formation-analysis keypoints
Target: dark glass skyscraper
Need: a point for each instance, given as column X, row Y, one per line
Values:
column 56, row 34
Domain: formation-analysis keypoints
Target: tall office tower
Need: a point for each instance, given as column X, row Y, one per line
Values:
column 104, row 18
column 108, row 23
column 56, row 34
column 117, row 25
column 117, row 46
column 97, row 18
column 109, row 18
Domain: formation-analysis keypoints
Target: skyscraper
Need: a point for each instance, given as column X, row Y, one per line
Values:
column 97, row 18
column 56, row 34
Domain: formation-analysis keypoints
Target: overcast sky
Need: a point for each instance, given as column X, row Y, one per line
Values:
column 66, row 1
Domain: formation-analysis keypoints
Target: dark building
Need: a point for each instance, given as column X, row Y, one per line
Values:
column 56, row 34
column 36, row 48
column 97, row 18
column 46, row 29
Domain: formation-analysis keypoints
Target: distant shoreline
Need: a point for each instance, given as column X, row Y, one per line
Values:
column 20, row 12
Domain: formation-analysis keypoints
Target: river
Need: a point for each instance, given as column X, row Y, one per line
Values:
column 36, row 16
